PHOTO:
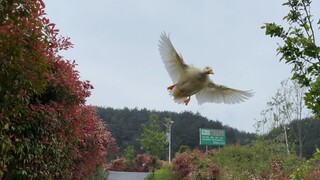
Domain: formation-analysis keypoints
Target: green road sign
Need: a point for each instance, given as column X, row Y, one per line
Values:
column 215, row 137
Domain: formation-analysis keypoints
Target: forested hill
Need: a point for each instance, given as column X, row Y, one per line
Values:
column 125, row 126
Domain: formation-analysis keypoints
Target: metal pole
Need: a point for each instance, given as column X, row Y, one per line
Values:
column 170, row 130
column 170, row 143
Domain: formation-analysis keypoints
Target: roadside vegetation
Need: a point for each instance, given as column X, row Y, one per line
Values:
column 261, row 160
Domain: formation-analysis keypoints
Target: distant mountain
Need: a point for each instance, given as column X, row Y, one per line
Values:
column 125, row 126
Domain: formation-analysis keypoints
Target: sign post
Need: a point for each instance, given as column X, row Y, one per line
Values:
column 214, row 137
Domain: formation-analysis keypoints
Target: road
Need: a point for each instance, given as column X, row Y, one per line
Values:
column 114, row 175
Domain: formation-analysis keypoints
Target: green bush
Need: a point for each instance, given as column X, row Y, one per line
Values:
column 261, row 159
column 308, row 170
column 164, row 173
column 100, row 173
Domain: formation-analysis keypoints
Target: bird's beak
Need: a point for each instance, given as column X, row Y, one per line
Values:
column 211, row 72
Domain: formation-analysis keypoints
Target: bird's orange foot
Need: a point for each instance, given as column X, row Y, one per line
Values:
column 187, row 101
column 171, row 87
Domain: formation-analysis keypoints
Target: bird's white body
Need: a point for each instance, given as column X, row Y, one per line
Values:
column 190, row 83
column 189, row 80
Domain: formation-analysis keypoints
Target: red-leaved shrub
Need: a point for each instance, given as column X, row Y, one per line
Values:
column 143, row 163
column 94, row 142
column 182, row 165
column 46, row 131
column 117, row 165
column 214, row 171
column 313, row 175
column 194, row 165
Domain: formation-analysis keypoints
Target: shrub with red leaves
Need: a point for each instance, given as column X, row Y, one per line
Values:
column 117, row 165
column 46, row 131
column 94, row 142
column 143, row 163
column 313, row 175
column 195, row 165
column 277, row 172
column 182, row 165
column 214, row 171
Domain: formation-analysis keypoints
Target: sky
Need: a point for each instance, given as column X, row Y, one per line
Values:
column 116, row 49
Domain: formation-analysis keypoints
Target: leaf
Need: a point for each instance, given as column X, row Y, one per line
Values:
column 310, row 69
column 6, row 126
column 305, row 25
column 286, row 4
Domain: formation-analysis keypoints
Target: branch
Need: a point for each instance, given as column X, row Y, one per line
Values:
column 309, row 20
column 310, row 24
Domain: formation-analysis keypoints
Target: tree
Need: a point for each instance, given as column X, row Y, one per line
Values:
column 286, row 107
column 46, row 131
column 153, row 140
column 300, row 48
column 129, row 156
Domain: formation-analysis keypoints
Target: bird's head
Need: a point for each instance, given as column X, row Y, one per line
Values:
column 208, row 70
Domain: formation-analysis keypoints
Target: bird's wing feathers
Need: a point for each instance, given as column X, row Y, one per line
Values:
column 171, row 59
column 215, row 93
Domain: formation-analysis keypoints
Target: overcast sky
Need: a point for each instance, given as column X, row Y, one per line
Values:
column 116, row 49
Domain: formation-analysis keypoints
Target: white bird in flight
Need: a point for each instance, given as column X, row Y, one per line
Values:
column 189, row 80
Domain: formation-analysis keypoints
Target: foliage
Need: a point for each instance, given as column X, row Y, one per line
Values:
column 258, row 160
column 308, row 170
column 100, row 173
column 117, row 165
column 164, row 173
column 312, row 138
column 195, row 165
column 184, row 148
column 142, row 163
column 261, row 160
column 153, row 139
column 287, row 106
column 129, row 156
column 94, row 142
column 46, row 132
column 299, row 48
column 125, row 126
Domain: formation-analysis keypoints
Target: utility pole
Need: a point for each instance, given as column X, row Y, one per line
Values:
column 168, row 125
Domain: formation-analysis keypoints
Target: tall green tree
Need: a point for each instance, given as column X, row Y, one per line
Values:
column 154, row 140
column 299, row 48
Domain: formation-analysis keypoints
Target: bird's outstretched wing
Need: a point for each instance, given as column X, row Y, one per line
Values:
column 171, row 59
column 215, row 93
